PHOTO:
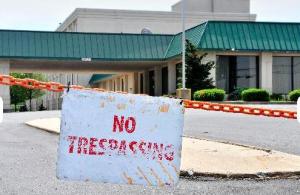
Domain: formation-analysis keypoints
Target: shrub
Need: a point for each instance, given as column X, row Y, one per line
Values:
column 236, row 94
column 254, row 94
column 294, row 95
column 277, row 97
column 209, row 95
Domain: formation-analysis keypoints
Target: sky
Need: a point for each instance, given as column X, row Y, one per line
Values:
column 47, row 14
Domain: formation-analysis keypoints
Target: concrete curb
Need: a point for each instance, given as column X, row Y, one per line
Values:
column 51, row 125
column 221, row 156
column 256, row 103
column 258, row 176
column 230, row 143
column 47, row 130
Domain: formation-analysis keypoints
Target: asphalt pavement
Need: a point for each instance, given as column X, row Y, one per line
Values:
column 28, row 160
column 269, row 133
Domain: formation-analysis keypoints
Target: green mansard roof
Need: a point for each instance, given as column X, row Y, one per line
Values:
column 211, row 35
column 241, row 36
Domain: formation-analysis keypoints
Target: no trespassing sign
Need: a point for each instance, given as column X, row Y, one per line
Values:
column 120, row 138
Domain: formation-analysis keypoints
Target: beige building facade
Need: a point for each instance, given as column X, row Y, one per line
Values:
column 139, row 51
column 157, row 22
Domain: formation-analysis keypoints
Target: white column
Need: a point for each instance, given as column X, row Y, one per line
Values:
column 126, row 83
column 146, row 82
column 158, row 80
column 4, row 90
column 172, row 78
column 211, row 57
column 266, row 71
column 130, row 82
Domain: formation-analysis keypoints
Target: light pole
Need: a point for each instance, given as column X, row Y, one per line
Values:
column 183, row 4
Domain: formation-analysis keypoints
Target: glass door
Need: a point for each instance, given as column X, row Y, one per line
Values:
column 237, row 72
column 151, row 83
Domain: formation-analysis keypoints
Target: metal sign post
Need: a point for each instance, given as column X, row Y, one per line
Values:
column 183, row 4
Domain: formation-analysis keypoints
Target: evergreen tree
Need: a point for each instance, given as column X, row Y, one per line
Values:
column 197, row 73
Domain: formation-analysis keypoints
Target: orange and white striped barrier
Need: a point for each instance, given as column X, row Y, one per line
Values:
column 240, row 109
column 58, row 87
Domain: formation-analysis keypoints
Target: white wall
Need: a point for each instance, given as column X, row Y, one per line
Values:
column 172, row 78
column 64, row 78
column 266, row 71
column 195, row 6
column 126, row 21
column 211, row 56
column 4, row 90
column 231, row 6
column 216, row 6
column 129, row 82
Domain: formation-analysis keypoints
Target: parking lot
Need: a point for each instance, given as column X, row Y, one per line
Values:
column 28, row 156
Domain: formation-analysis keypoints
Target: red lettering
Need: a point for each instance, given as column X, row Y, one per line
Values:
column 149, row 150
column 101, row 145
column 92, row 146
column 141, row 147
column 169, row 156
column 158, row 150
column 95, row 146
column 133, row 123
column 131, row 146
column 113, row 144
column 118, row 124
column 122, row 148
column 71, row 139
column 82, row 143
column 149, row 147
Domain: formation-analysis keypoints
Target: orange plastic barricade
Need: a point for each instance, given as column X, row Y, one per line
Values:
column 57, row 87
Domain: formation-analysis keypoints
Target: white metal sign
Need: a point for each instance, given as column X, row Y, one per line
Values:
column 298, row 110
column 117, row 138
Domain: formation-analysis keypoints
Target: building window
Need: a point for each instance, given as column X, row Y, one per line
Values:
column 282, row 71
column 141, row 83
column 164, row 81
column 296, row 72
column 286, row 74
column 151, row 83
column 237, row 72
